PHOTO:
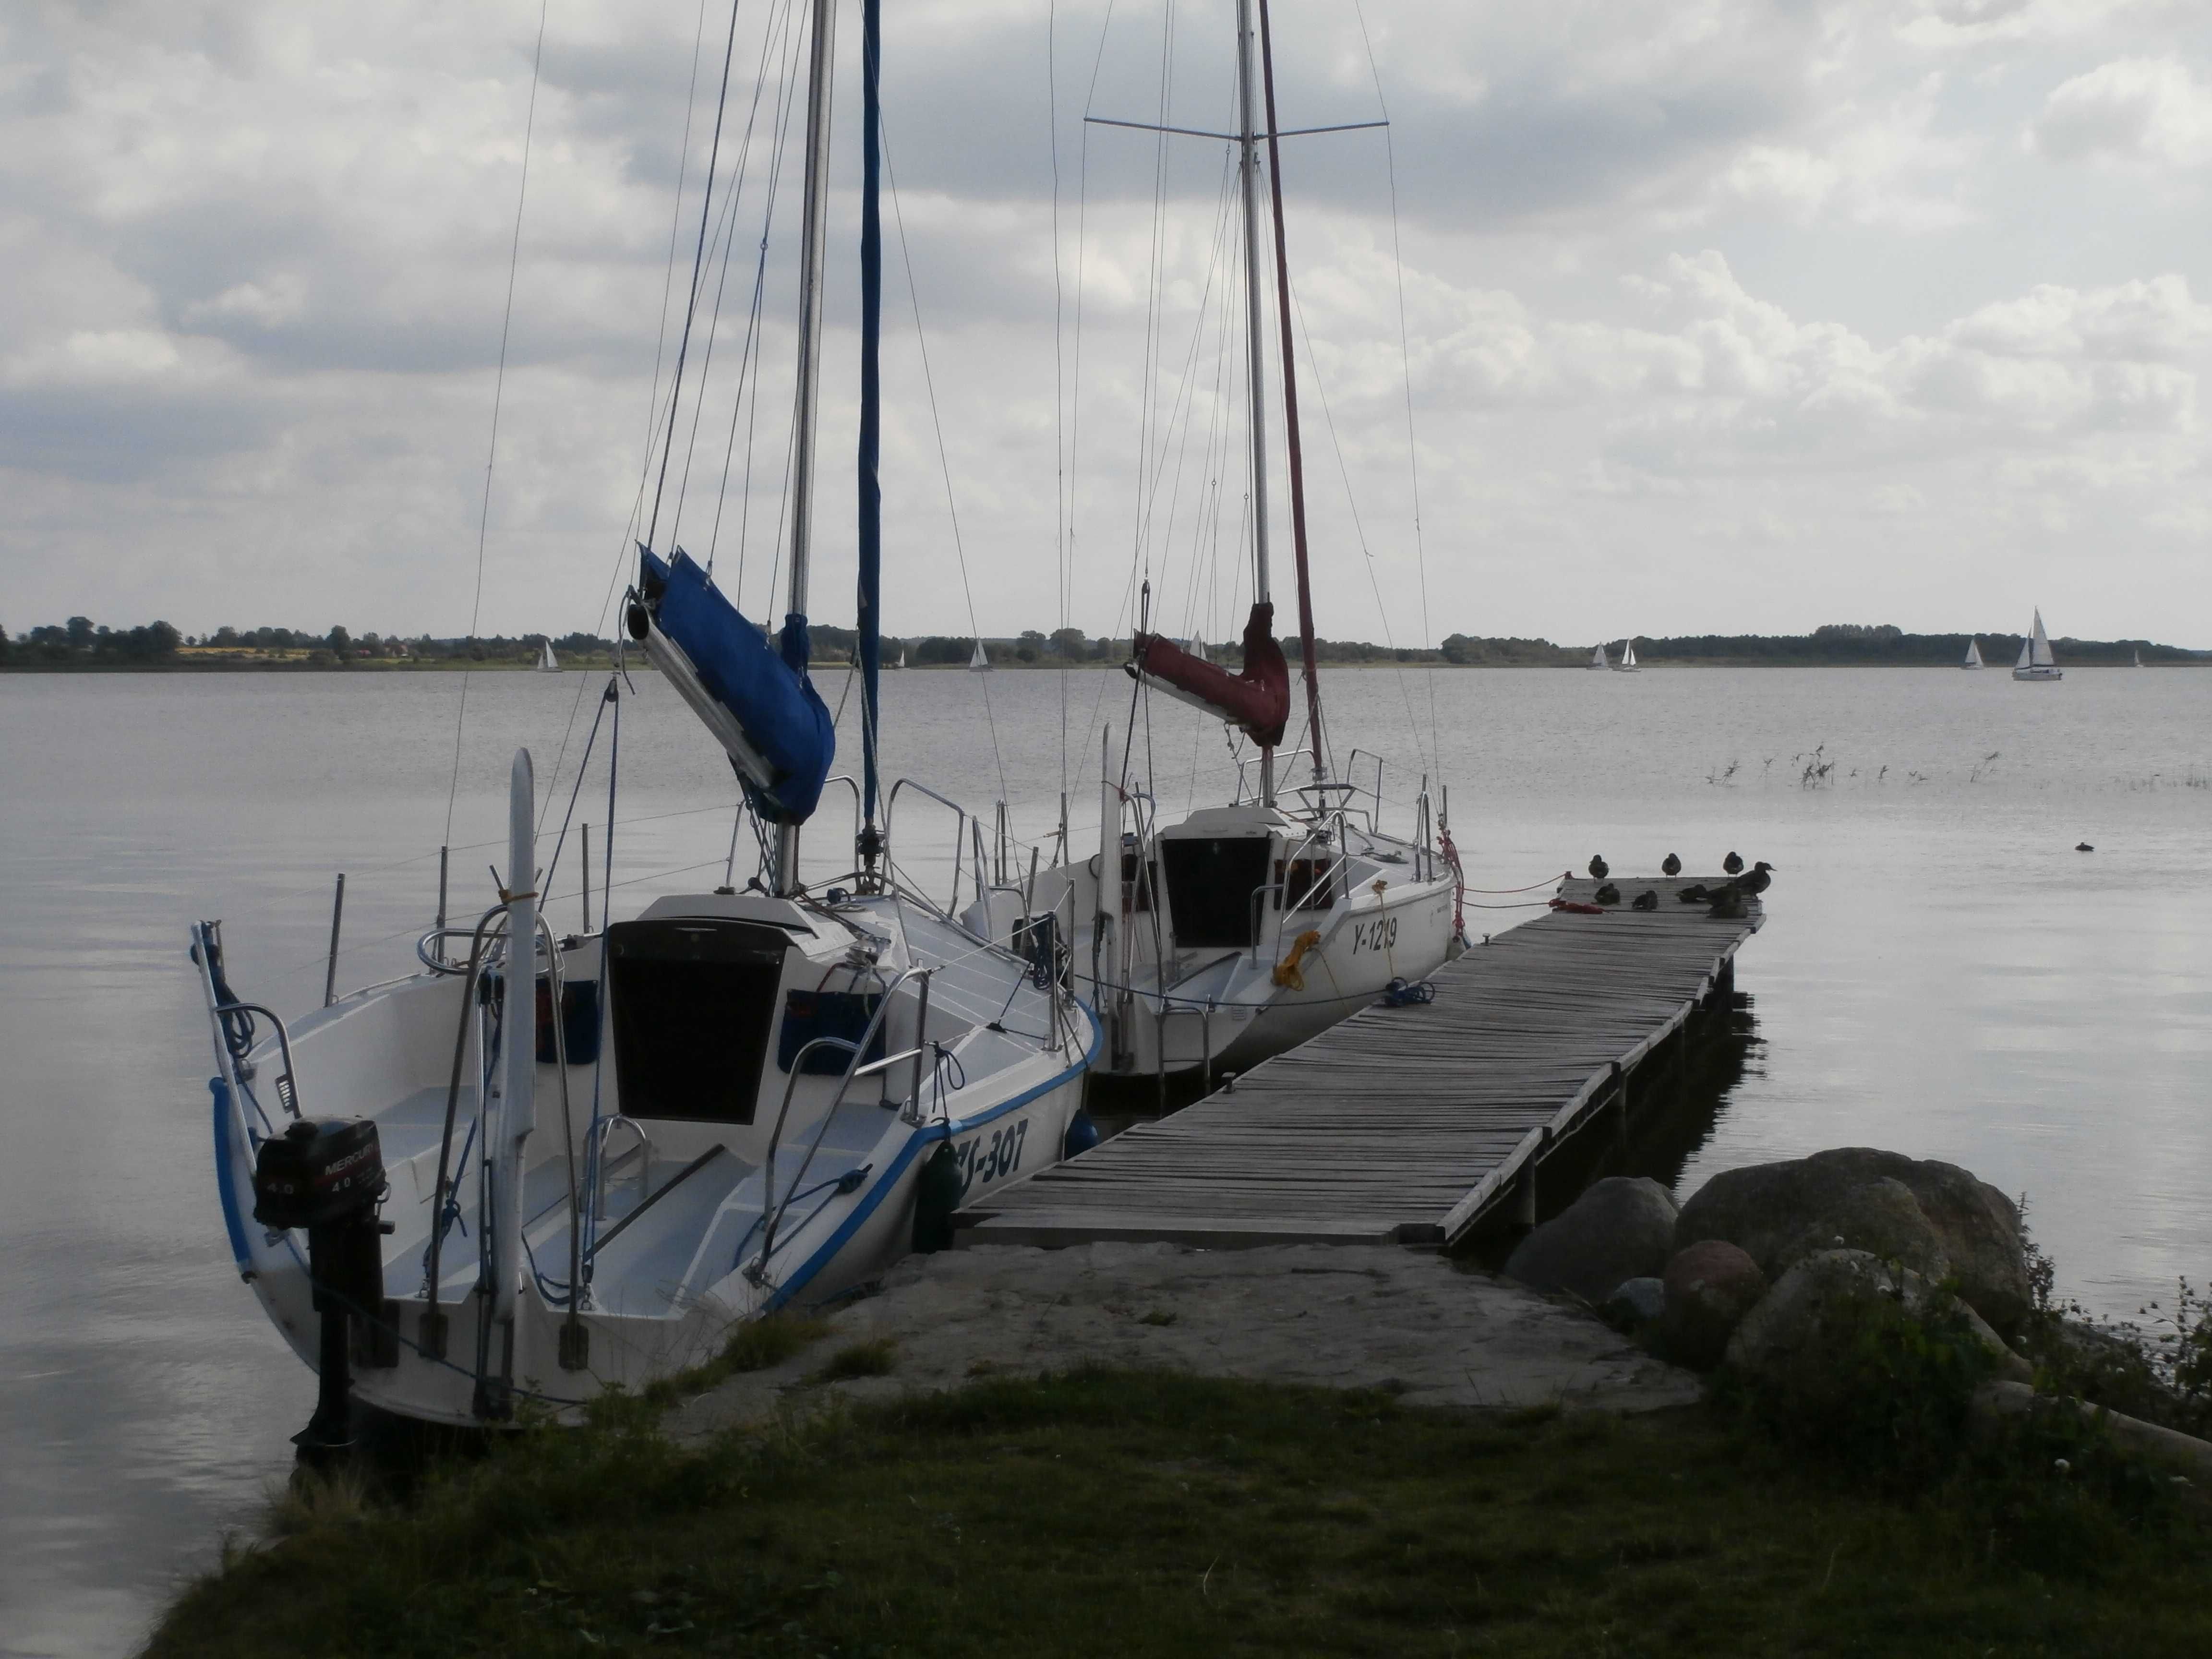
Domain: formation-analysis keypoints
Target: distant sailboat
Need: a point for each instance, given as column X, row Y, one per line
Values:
column 1973, row 654
column 2036, row 662
column 2139, row 659
column 900, row 662
column 1194, row 648
column 979, row 663
column 1627, row 662
column 546, row 663
column 1599, row 659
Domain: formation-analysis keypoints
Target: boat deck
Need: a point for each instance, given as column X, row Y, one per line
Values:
column 1411, row 1124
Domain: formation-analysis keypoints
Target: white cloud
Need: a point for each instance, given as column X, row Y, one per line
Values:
column 2139, row 109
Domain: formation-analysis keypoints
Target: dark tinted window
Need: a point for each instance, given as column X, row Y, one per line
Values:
column 1210, row 887
column 693, row 1000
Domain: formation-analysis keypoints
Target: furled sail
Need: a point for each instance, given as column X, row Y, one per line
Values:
column 755, row 698
column 1257, row 699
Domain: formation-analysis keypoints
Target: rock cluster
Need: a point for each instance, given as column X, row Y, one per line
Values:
column 1756, row 1265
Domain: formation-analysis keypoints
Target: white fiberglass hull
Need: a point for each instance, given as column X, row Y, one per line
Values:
column 679, row 1251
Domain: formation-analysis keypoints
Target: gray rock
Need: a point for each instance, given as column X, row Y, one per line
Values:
column 1953, row 1224
column 1622, row 1228
column 1785, row 1338
column 1634, row 1303
column 1710, row 1288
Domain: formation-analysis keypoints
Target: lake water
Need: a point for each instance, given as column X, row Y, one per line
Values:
column 1940, row 973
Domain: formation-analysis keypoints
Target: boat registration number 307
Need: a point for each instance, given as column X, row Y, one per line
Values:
column 1379, row 934
column 992, row 1157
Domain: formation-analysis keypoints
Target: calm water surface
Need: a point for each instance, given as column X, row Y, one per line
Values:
column 1942, row 972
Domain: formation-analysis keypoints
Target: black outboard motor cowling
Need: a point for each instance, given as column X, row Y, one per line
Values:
column 318, row 1172
column 328, row 1176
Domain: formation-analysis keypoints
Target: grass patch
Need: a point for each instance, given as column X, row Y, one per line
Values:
column 873, row 1358
column 1117, row 1514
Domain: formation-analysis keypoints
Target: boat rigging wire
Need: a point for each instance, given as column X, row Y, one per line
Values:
column 698, row 257
column 651, row 400
column 498, row 394
column 937, row 425
column 1405, row 361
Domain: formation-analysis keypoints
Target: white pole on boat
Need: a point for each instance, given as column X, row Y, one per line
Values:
column 814, row 221
column 1254, row 352
column 517, row 1111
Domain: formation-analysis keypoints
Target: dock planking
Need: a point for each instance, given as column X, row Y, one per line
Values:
column 1412, row 1124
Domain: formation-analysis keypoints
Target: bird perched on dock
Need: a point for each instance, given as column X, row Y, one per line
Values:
column 1646, row 900
column 1694, row 894
column 1755, row 880
column 1670, row 865
column 1607, row 894
column 1733, row 865
column 1598, row 866
column 1727, row 903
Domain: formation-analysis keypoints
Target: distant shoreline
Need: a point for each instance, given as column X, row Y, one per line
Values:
column 639, row 663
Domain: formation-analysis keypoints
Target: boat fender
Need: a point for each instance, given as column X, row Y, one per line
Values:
column 1082, row 1134
column 937, row 1193
column 1286, row 971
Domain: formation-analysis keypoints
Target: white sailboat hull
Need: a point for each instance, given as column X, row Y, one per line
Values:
column 666, row 1292
column 1178, row 1009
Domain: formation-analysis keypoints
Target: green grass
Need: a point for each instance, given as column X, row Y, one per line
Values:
column 873, row 1357
column 1119, row 1514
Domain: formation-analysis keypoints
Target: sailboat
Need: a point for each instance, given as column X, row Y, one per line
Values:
column 2036, row 661
column 1194, row 648
column 900, row 662
column 980, row 663
column 1627, row 662
column 546, row 663
column 2139, row 659
column 1599, row 659
column 1973, row 654
column 452, row 1199
column 1210, row 944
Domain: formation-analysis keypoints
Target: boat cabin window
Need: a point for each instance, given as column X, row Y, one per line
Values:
column 1307, row 883
column 693, row 1000
column 1210, row 884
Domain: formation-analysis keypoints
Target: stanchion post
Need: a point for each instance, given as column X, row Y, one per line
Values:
column 330, row 973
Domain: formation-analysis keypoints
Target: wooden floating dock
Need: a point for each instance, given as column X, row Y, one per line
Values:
column 1414, row 1125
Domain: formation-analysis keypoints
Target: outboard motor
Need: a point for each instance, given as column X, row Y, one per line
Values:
column 327, row 1176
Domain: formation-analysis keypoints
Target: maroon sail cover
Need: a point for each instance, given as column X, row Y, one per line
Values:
column 1258, row 699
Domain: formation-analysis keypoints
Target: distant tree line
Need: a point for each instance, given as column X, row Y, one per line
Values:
column 80, row 643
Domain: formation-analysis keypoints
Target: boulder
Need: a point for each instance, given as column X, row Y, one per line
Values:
column 1622, row 1228
column 1634, row 1303
column 1710, row 1287
column 1784, row 1338
column 1936, row 1219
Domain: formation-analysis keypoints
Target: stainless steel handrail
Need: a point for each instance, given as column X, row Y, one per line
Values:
column 770, row 1212
column 960, row 820
column 288, row 1086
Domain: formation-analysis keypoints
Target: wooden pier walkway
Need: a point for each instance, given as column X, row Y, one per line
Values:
column 1409, row 1124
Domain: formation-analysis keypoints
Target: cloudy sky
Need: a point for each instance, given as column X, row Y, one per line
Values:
column 1717, row 315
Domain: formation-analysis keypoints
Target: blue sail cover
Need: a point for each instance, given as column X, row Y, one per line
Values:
column 766, row 692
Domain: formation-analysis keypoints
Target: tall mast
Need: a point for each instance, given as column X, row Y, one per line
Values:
column 1290, row 399
column 1254, row 352
column 813, row 238
column 871, row 496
